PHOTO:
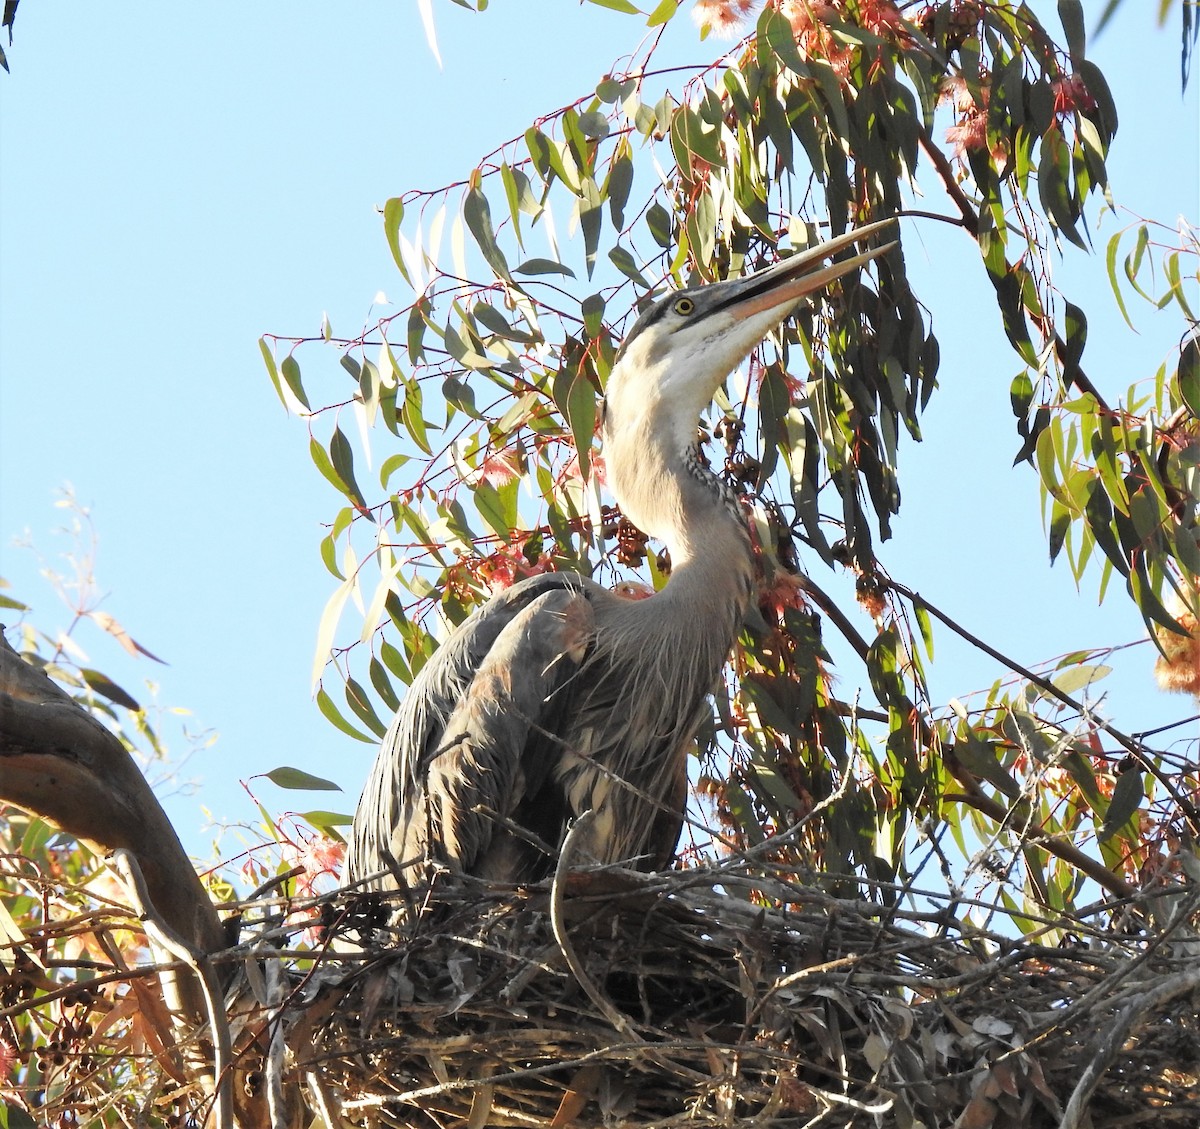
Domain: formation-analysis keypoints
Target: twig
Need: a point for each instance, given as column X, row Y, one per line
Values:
column 514, row 829
column 201, row 967
column 276, row 1048
column 329, row 1111
column 565, row 858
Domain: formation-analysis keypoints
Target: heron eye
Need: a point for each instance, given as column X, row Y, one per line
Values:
column 684, row 306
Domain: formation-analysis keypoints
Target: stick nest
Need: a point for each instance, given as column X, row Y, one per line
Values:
column 713, row 997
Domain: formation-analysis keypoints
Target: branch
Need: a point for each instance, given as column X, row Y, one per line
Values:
column 970, row 218
column 201, row 967
column 63, row 765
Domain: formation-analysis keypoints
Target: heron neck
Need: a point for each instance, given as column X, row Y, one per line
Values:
column 669, row 493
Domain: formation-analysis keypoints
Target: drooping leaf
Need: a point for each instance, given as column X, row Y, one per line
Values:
column 107, row 688
column 290, row 371
column 299, row 780
column 1126, row 799
column 393, row 216
column 477, row 213
column 1188, row 375
column 543, row 266
column 330, row 712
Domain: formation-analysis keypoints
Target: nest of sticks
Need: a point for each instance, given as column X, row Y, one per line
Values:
column 722, row 997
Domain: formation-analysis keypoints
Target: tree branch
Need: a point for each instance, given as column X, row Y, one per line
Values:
column 63, row 765
column 970, row 218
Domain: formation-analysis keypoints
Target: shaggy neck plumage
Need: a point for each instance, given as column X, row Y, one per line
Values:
column 663, row 487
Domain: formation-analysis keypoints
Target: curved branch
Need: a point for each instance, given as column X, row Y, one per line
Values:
column 63, row 765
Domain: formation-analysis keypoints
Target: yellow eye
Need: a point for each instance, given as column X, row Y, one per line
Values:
column 684, row 306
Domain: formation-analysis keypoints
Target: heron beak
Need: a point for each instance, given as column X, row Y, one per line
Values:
column 788, row 281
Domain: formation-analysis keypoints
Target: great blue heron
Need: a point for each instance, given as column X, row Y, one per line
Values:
column 559, row 696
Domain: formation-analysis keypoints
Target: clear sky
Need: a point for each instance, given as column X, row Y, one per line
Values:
column 178, row 180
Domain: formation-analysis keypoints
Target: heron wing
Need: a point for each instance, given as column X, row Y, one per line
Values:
column 475, row 738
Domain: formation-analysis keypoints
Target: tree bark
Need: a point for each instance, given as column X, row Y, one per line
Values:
column 62, row 764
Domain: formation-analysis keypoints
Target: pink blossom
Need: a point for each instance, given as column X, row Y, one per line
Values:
column 1071, row 93
column 503, row 568
column 805, row 15
column 783, row 592
column 969, row 135
column 957, row 93
column 881, row 17
column 596, row 469
column 318, row 855
column 499, row 469
column 725, row 17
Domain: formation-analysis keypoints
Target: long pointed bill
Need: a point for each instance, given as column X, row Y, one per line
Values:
column 790, row 280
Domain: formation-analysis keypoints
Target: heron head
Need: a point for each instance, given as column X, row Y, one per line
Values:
column 678, row 352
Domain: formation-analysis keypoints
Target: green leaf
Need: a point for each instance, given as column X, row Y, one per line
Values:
column 327, row 820
column 1111, row 263
column 414, row 421
column 383, row 685
column 330, row 712
column 658, row 220
column 1071, row 14
column 1078, row 677
column 296, row 779
column 982, row 759
column 1054, row 186
column 360, row 704
column 272, row 371
column 627, row 265
column 478, row 215
column 492, row 509
column 513, row 196
column 342, row 457
column 617, row 6
column 741, row 810
column 543, row 266
column 1188, row 375
column 591, row 217
column 593, row 315
column 1126, row 799
column 925, row 625
column 774, row 27
column 1060, row 527
column 662, row 13
column 1076, row 327
column 594, row 124
column 107, row 688
column 576, row 398
column 321, row 458
column 393, row 214
column 291, row 374
column 618, row 185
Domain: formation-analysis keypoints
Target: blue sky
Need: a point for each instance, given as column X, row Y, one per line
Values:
column 175, row 184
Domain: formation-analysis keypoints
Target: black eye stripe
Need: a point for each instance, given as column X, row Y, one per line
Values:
column 655, row 313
